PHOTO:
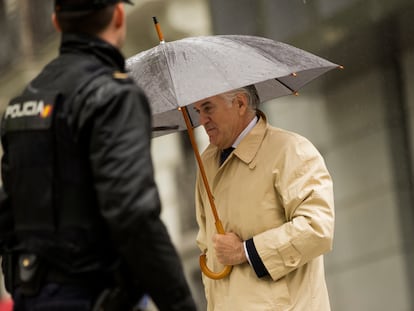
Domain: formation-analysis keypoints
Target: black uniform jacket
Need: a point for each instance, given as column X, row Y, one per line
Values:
column 104, row 172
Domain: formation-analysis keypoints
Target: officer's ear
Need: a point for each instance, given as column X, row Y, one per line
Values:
column 55, row 22
column 119, row 15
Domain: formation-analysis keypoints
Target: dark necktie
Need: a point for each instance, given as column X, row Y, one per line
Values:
column 225, row 153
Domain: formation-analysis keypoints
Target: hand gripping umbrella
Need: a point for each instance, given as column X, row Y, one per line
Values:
column 176, row 74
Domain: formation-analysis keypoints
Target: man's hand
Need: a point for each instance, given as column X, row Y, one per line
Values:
column 229, row 249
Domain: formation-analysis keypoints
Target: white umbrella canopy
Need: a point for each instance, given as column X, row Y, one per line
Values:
column 178, row 73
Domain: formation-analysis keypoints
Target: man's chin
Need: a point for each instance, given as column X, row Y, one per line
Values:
column 213, row 140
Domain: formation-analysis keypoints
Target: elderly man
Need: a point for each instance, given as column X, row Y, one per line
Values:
column 275, row 199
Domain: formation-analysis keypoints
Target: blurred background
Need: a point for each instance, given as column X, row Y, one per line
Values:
column 360, row 118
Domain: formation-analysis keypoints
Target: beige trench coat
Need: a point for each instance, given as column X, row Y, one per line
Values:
column 274, row 188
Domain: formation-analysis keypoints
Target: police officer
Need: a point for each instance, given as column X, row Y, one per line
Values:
column 79, row 214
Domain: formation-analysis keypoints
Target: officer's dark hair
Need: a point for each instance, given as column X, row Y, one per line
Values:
column 93, row 22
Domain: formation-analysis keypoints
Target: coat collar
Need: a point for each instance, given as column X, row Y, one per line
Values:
column 93, row 46
column 249, row 146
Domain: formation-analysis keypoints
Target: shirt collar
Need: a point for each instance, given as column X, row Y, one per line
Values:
column 246, row 131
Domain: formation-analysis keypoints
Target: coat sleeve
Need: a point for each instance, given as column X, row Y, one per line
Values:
column 129, row 200
column 305, row 188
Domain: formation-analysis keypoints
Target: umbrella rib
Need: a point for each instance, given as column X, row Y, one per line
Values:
column 165, row 128
column 285, row 85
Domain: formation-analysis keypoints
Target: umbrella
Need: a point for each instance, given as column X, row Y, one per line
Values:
column 176, row 74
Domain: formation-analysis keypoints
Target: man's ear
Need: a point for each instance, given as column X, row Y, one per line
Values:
column 119, row 15
column 242, row 103
column 55, row 22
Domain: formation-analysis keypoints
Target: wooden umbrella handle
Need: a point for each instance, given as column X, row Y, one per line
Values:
column 213, row 275
column 203, row 261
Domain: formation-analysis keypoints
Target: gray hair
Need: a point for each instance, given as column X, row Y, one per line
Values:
column 250, row 92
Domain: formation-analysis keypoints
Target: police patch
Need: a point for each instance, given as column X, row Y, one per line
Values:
column 32, row 112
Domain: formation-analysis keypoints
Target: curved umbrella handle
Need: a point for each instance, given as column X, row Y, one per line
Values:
column 213, row 275
column 203, row 261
